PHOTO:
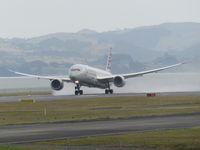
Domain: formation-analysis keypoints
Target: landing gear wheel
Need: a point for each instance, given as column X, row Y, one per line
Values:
column 111, row 91
column 81, row 92
column 76, row 92
column 106, row 91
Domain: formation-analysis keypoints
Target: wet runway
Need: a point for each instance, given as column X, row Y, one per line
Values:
column 48, row 131
column 61, row 97
column 69, row 97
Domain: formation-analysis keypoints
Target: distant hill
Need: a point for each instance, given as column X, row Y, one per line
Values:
column 133, row 49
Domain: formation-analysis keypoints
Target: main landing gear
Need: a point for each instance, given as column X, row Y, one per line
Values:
column 77, row 90
column 108, row 90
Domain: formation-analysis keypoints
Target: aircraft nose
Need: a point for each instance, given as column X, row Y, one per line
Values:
column 76, row 72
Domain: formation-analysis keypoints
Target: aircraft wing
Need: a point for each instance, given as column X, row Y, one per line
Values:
column 131, row 75
column 65, row 79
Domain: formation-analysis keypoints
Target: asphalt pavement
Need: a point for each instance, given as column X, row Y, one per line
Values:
column 74, row 97
column 49, row 131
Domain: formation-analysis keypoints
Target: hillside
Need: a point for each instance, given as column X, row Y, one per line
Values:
column 133, row 49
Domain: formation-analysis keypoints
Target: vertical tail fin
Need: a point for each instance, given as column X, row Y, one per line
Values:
column 109, row 59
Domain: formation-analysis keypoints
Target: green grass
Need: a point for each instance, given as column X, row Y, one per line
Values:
column 97, row 108
column 31, row 147
column 10, row 147
column 105, row 108
column 181, row 139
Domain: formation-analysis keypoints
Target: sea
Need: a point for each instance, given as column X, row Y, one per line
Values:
column 157, row 82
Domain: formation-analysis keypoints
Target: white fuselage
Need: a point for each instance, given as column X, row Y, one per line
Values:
column 87, row 76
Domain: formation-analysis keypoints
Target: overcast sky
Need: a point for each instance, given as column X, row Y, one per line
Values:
column 28, row 18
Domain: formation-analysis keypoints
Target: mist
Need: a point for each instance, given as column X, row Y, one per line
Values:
column 160, row 82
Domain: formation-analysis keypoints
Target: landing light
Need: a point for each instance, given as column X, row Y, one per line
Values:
column 77, row 82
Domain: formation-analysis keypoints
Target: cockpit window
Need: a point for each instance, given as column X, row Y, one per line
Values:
column 75, row 69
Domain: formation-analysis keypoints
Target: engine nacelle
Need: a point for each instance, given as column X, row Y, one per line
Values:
column 119, row 81
column 57, row 84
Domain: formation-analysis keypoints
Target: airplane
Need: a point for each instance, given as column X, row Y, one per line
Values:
column 84, row 75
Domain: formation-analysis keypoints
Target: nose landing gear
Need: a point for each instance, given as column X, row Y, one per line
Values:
column 77, row 90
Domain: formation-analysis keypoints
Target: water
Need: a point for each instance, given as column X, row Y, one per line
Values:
column 160, row 82
column 14, row 84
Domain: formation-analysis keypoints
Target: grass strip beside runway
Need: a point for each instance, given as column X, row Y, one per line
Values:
column 180, row 139
column 96, row 108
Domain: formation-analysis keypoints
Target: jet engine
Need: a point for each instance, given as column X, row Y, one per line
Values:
column 57, row 84
column 119, row 81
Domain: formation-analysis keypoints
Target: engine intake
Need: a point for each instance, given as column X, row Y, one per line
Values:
column 119, row 81
column 57, row 84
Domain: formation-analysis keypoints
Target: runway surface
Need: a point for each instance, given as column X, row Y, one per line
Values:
column 69, row 97
column 61, row 97
column 47, row 131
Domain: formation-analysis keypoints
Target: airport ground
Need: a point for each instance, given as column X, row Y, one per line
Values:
column 119, row 121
